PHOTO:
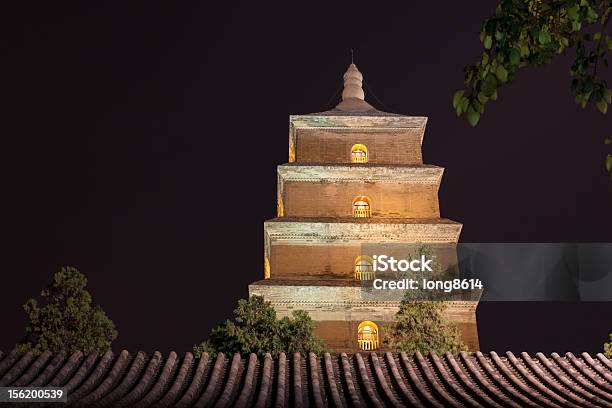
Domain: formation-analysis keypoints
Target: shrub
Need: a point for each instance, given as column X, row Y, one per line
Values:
column 255, row 329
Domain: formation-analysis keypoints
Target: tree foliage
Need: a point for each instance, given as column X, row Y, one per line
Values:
column 420, row 322
column 67, row 320
column 531, row 33
column 437, row 273
column 608, row 348
column 256, row 329
column 422, row 326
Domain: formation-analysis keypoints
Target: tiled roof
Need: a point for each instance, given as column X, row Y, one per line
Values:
column 340, row 112
column 386, row 379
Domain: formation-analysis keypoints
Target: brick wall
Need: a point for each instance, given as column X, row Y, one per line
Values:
column 334, row 146
column 334, row 199
column 313, row 261
column 336, row 261
column 341, row 335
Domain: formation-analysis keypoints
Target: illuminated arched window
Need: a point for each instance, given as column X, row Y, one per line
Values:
column 364, row 268
column 359, row 154
column 367, row 336
column 361, row 207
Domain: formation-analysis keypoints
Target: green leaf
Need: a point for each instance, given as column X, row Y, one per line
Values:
column 501, row 73
column 608, row 140
column 485, row 59
column 457, row 98
column 572, row 12
column 472, row 117
column 576, row 26
column 465, row 102
column 581, row 100
column 602, row 105
column 544, row 37
column 459, row 109
column 597, row 36
column 609, row 163
column 494, row 96
column 515, row 56
column 488, row 42
column 489, row 85
column 482, row 98
column 462, row 105
column 524, row 50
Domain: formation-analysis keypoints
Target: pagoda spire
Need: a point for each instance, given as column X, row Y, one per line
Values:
column 353, row 80
column 353, row 97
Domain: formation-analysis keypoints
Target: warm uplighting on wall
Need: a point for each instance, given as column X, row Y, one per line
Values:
column 359, row 154
column 280, row 208
column 364, row 268
column 266, row 267
column 361, row 207
column 367, row 336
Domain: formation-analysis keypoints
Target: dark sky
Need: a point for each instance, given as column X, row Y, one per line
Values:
column 140, row 144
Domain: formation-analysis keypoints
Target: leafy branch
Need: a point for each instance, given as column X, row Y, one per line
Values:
column 532, row 33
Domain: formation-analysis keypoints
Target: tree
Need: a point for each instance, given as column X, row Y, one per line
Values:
column 608, row 348
column 420, row 322
column 437, row 273
column 422, row 326
column 67, row 321
column 255, row 329
column 534, row 32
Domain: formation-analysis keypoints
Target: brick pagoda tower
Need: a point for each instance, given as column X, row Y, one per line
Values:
column 355, row 177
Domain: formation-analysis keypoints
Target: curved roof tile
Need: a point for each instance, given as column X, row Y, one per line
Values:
column 389, row 379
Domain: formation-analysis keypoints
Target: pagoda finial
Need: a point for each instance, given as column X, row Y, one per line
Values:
column 353, row 83
column 353, row 97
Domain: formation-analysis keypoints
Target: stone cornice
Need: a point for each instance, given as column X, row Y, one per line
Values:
column 357, row 121
column 299, row 230
column 362, row 173
column 315, row 296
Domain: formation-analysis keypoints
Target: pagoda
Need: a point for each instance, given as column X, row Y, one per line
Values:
column 355, row 178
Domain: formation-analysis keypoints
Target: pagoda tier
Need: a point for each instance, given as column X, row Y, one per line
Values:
column 328, row 137
column 338, row 307
column 297, row 248
column 393, row 191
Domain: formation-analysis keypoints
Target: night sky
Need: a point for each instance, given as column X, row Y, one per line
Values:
column 140, row 144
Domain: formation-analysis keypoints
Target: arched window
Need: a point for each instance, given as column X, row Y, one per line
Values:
column 364, row 268
column 359, row 154
column 361, row 207
column 367, row 336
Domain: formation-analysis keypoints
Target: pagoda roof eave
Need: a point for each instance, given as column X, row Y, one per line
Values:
column 343, row 120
